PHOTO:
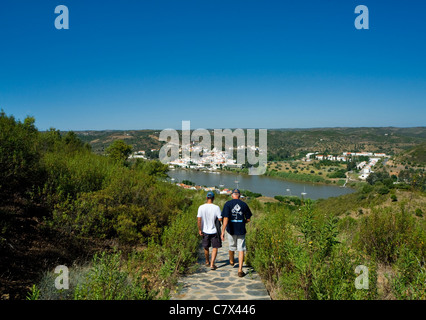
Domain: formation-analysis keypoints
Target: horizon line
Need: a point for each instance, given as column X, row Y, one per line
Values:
column 278, row 128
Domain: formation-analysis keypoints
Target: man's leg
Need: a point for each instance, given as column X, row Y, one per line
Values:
column 241, row 247
column 240, row 261
column 206, row 246
column 232, row 247
column 216, row 244
column 231, row 257
column 207, row 254
column 214, row 254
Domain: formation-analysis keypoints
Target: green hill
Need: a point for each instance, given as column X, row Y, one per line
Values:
column 284, row 144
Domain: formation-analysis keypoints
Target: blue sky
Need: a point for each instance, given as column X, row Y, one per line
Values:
column 220, row 64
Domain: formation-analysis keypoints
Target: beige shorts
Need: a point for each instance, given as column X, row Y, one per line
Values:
column 236, row 242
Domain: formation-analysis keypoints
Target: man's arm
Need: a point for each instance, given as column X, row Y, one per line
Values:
column 225, row 223
column 219, row 214
column 200, row 232
column 248, row 214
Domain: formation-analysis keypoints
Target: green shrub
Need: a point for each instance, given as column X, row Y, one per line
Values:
column 71, row 174
column 106, row 280
column 19, row 156
column 248, row 193
column 128, row 207
column 305, row 264
column 385, row 231
column 118, row 151
column 381, row 188
column 334, row 279
column 338, row 174
column 34, row 293
column 410, row 279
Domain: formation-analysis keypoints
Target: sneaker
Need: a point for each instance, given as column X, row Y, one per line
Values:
column 241, row 274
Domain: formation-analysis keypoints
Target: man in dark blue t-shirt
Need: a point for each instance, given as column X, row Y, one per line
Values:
column 236, row 213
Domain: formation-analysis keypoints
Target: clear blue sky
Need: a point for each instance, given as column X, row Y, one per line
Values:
column 128, row 64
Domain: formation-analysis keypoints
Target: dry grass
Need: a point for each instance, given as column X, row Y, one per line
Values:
column 304, row 167
column 384, row 288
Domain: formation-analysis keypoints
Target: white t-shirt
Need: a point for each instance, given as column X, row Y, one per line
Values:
column 208, row 213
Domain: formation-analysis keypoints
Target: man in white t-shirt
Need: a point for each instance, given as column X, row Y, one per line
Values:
column 207, row 215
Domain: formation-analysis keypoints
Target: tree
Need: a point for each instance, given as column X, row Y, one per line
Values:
column 381, row 176
column 19, row 155
column 119, row 150
column 152, row 167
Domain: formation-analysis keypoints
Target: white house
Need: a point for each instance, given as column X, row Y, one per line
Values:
column 361, row 165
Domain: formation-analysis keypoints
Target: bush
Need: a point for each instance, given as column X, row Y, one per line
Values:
column 106, row 280
column 312, row 265
column 269, row 236
column 69, row 175
column 19, row 156
column 180, row 243
column 338, row 174
column 128, row 207
column 248, row 193
column 382, row 189
column 409, row 281
column 332, row 280
column 119, row 151
column 385, row 231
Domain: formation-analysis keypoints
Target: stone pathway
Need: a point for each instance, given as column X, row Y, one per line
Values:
column 222, row 283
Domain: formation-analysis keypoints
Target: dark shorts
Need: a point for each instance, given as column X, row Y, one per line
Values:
column 211, row 240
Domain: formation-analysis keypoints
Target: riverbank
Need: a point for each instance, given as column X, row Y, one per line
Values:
column 288, row 176
column 269, row 186
column 299, row 171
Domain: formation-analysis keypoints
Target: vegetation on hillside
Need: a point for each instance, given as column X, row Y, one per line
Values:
column 109, row 206
column 310, row 250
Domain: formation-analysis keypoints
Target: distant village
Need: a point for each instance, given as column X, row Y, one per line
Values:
column 364, row 167
column 210, row 160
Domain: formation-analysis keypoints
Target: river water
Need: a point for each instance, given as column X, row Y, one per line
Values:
column 267, row 186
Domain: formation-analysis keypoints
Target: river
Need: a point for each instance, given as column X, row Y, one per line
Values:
column 267, row 186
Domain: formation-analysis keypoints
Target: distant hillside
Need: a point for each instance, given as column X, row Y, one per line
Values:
column 138, row 139
column 415, row 155
column 288, row 143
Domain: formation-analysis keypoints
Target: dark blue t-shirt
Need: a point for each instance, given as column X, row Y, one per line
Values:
column 237, row 211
